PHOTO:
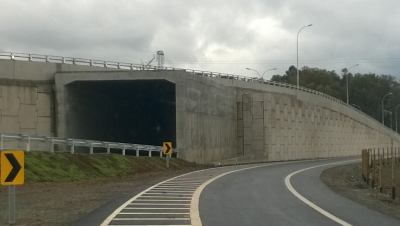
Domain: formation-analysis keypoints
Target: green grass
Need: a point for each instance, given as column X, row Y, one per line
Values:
column 63, row 167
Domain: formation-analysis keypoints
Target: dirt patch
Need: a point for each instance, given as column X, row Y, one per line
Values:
column 347, row 181
column 64, row 203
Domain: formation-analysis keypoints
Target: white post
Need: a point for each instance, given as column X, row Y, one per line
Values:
column 28, row 144
column 91, row 148
column 52, row 145
column 72, row 147
column 1, row 142
column 108, row 148
column 123, row 150
column 137, row 151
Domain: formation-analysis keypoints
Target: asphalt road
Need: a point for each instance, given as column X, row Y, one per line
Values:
column 283, row 193
column 260, row 196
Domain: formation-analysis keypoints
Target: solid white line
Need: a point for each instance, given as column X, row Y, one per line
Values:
column 150, row 219
column 130, row 208
column 306, row 201
column 148, row 213
column 156, row 204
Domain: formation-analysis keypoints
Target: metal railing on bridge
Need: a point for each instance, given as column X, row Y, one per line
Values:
column 72, row 143
column 130, row 66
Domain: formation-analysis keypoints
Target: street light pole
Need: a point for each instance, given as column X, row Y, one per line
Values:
column 348, row 82
column 383, row 118
column 298, row 54
column 395, row 114
column 357, row 106
column 262, row 76
column 253, row 70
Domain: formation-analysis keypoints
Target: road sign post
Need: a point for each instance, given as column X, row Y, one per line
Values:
column 167, row 150
column 12, row 173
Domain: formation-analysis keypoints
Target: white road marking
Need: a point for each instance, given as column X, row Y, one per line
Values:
column 306, row 201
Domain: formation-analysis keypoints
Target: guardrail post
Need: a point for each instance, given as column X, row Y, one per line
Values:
column 150, row 153
column 72, row 147
column 123, row 150
column 28, row 144
column 91, row 148
column 177, row 153
column 52, row 145
column 137, row 151
column 108, row 148
column 161, row 152
column 1, row 142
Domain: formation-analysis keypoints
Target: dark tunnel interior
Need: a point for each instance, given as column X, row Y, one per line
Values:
column 129, row 111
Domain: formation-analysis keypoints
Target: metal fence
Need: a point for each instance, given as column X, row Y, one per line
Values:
column 379, row 169
column 72, row 143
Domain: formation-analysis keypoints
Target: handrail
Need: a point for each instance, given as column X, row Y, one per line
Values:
column 130, row 66
column 80, row 143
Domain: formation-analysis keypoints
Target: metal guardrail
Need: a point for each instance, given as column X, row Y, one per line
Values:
column 4, row 137
column 130, row 66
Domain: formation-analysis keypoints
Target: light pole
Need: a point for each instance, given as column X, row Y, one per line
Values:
column 383, row 118
column 357, row 106
column 253, row 70
column 261, row 76
column 298, row 53
column 395, row 114
column 348, row 82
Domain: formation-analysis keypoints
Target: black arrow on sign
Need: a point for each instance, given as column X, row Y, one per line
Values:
column 168, row 148
column 16, row 167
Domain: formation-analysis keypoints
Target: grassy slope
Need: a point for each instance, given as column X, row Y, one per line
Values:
column 63, row 167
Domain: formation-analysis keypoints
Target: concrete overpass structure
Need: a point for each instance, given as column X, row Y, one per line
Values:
column 210, row 117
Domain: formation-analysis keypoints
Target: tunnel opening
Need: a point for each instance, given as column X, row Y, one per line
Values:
column 129, row 111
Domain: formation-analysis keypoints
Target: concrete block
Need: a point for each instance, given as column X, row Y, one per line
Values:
column 285, row 112
column 248, row 135
column 257, row 146
column 9, row 124
column 240, row 127
column 247, row 119
column 267, row 118
column 247, row 149
column 28, row 131
column 240, row 146
column 239, row 110
column 273, row 120
column 257, row 97
column 247, row 101
column 45, row 88
column 9, row 101
column 27, row 95
column 44, row 126
column 43, row 104
column 257, row 110
column 28, row 116
column 266, row 136
column 258, row 129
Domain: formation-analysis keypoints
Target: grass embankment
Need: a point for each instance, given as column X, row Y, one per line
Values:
column 63, row 167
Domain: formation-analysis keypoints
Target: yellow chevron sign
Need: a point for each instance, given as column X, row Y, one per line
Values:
column 167, row 148
column 12, row 167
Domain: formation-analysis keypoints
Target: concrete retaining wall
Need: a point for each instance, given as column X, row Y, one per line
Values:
column 224, row 121
column 276, row 124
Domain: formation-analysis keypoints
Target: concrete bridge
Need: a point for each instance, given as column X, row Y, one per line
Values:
column 209, row 117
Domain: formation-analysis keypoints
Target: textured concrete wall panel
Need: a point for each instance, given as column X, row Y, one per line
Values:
column 9, row 101
column 28, row 116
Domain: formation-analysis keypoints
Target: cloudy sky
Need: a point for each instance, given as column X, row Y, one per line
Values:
column 221, row 36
